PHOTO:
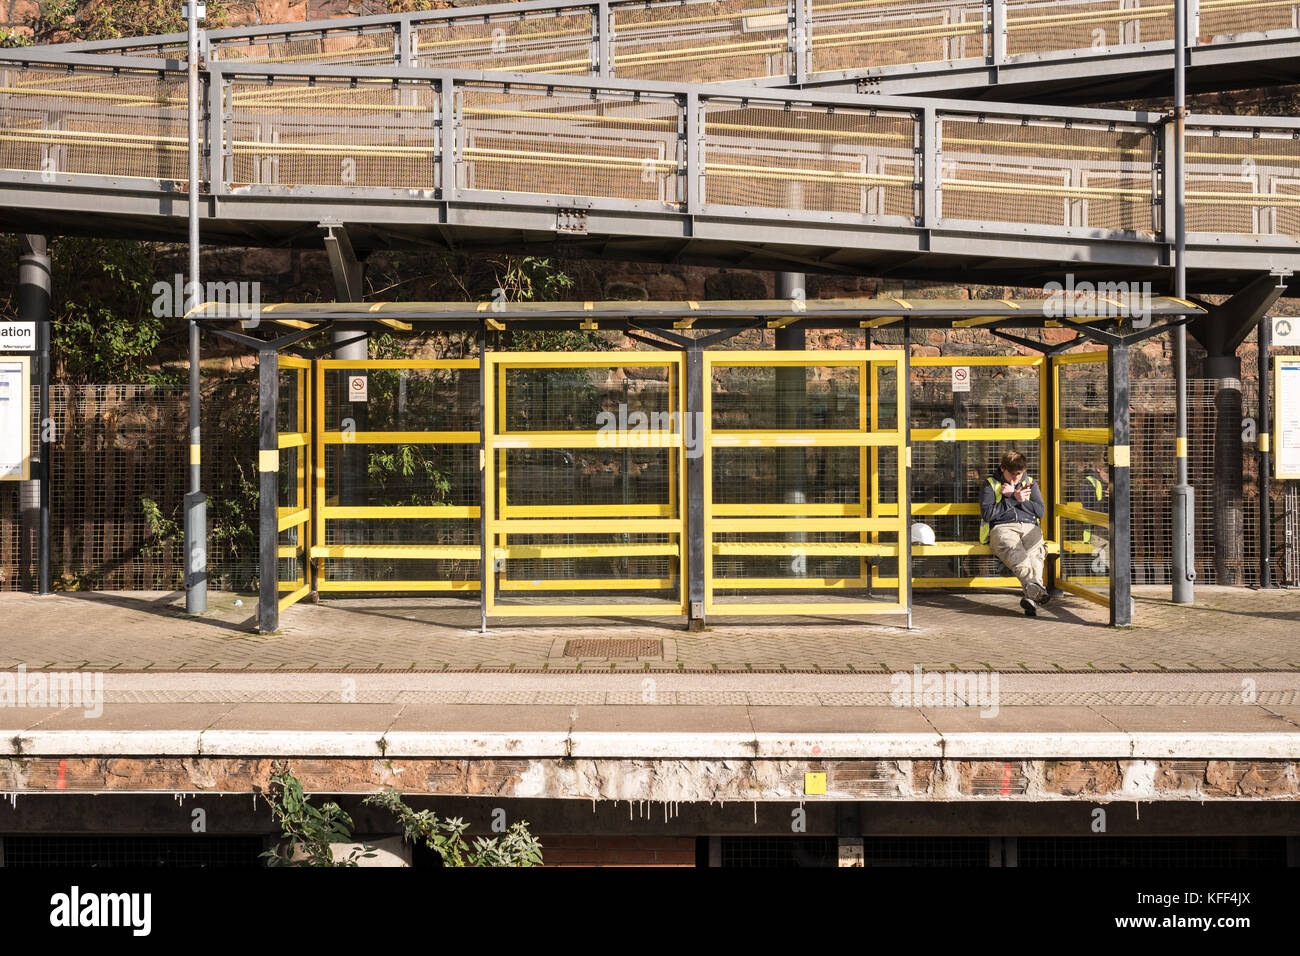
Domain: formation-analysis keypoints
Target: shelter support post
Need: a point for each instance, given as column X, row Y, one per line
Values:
column 1121, row 556
column 268, row 469
column 695, row 492
column 792, row 394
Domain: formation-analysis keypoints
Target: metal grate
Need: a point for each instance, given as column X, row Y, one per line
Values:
column 777, row 851
column 343, row 134
column 849, row 36
column 810, row 158
column 1113, row 851
column 1048, row 173
column 615, row 647
column 1043, row 26
column 706, row 40
column 133, row 851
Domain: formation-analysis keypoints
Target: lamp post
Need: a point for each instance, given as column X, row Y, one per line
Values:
column 196, row 519
column 1184, row 514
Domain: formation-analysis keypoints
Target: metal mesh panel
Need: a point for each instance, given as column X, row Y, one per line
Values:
column 94, row 123
column 1243, row 182
column 857, row 35
column 1048, row 173
column 133, row 851
column 585, row 521
column 810, row 158
column 354, row 47
column 543, row 42
column 1227, row 20
column 1044, row 26
column 705, row 41
column 1083, row 395
column 1181, row 852
column 119, row 446
column 1233, row 556
column 786, row 502
column 294, row 133
column 390, row 463
column 173, row 51
column 534, row 140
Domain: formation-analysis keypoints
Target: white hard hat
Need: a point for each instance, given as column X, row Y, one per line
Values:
column 922, row 533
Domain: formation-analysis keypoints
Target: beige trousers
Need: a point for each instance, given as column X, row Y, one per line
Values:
column 1020, row 546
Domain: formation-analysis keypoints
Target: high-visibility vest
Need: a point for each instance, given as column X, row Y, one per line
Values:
column 1096, row 487
column 997, row 499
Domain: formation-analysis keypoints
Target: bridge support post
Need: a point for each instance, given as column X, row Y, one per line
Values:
column 34, row 306
column 1263, row 439
column 268, row 471
column 1221, row 332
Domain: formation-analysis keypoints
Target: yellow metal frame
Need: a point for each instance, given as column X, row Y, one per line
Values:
column 1074, row 511
column 864, row 517
column 503, row 519
column 297, row 517
column 323, row 511
column 951, row 548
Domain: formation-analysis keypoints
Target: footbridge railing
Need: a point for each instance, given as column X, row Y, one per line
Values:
column 411, row 137
column 706, row 41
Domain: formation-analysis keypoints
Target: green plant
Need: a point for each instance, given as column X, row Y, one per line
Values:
column 161, row 529
column 446, row 836
column 404, row 465
column 308, row 831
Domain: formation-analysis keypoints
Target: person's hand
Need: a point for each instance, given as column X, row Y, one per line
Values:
column 1007, row 490
column 1022, row 494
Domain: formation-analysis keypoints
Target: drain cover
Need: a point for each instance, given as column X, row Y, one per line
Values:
column 614, row 647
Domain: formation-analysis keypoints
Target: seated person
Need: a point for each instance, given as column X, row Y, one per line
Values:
column 1011, row 507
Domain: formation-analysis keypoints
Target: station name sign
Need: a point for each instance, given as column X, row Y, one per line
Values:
column 17, row 336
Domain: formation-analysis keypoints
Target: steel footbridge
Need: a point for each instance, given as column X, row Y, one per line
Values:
column 740, row 133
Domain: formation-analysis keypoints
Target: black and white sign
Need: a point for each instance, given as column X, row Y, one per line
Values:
column 1286, row 417
column 17, row 336
column 1286, row 330
column 15, row 419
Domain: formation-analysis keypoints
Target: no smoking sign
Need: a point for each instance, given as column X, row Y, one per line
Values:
column 961, row 378
column 357, row 388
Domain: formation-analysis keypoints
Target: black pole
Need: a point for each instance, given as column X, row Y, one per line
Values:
column 487, row 466
column 34, row 306
column 268, row 467
column 905, row 465
column 1121, row 558
column 1263, row 439
column 695, row 492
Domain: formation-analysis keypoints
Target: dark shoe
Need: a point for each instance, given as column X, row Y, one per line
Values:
column 1037, row 593
column 1031, row 609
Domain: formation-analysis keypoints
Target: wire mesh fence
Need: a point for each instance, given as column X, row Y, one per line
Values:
column 120, row 453
column 118, row 479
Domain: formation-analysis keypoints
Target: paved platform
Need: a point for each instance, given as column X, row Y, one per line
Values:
column 1229, row 629
column 662, row 716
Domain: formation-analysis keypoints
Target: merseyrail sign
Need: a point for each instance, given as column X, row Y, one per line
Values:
column 15, row 418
